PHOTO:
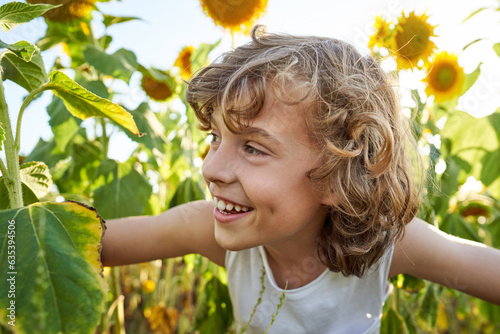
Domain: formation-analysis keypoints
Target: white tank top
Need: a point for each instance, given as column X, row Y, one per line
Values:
column 331, row 303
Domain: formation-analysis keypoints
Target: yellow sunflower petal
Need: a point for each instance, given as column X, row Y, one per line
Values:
column 445, row 78
column 183, row 61
column 235, row 15
column 382, row 33
column 411, row 40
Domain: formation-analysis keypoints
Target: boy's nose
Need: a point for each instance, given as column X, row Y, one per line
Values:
column 218, row 166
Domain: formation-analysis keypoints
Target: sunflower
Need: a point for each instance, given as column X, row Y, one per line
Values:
column 162, row 319
column 382, row 33
column 157, row 84
column 411, row 40
column 70, row 9
column 235, row 15
column 445, row 78
column 183, row 61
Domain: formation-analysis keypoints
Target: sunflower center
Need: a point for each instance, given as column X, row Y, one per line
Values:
column 445, row 78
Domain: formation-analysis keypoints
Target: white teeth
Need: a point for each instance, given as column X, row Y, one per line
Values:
column 222, row 206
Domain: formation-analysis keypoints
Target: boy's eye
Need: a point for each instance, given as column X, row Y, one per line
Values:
column 213, row 138
column 253, row 151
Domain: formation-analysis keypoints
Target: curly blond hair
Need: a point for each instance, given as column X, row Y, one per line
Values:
column 353, row 116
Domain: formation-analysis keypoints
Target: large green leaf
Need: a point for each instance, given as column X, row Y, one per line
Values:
column 27, row 74
column 64, row 125
column 154, row 131
column 121, row 65
column 15, row 13
column 124, row 191
column 83, row 104
column 56, row 268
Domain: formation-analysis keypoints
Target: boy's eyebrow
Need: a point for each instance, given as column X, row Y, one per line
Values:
column 254, row 131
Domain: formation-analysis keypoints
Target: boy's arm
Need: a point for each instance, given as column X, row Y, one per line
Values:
column 185, row 229
column 428, row 253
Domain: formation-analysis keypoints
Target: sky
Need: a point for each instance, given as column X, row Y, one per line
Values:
column 167, row 26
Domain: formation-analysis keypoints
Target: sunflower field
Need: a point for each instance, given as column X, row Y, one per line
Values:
column 54, row 201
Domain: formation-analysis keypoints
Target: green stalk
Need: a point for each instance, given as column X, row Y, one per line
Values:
column 28, row 99
column 104, row 137
column 119, row 313
column 11, row 174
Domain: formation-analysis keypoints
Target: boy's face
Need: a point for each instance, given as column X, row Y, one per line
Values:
column 265, row 170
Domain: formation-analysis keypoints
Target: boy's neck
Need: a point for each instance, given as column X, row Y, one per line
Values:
column 294, row 268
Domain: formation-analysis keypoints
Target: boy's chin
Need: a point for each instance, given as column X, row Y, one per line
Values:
column 232, row 245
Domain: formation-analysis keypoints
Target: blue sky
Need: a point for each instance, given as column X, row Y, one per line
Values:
column 169, row 25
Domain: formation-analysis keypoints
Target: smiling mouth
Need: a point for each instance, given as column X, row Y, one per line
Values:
column 229, row 208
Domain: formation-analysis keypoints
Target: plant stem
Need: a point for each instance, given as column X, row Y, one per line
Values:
column 104, row 137
column 12, row 176
column 28, row 99
column 118, row 325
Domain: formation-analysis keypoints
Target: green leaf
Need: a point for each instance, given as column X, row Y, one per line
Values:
column 47, row 152
column 29, row 196
column 474, row 13
column 455, row 224
column 124, row 191
column 15, row 13
column 36, row 176
column 428, row 310
column 187, row 191
column 83, row 104
column 199, row 58
column 36, row 182
column 148, row 123
column 121, row 64
column 490, row 170
column 470, row 79
column 22, row 49
column 85, row 159
column 392, row 323
column 64, row 125
column 27, row 74
column 59, row 288
column 472, row 139
column 216, row 313
column 496, row 47
column 110, row 19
